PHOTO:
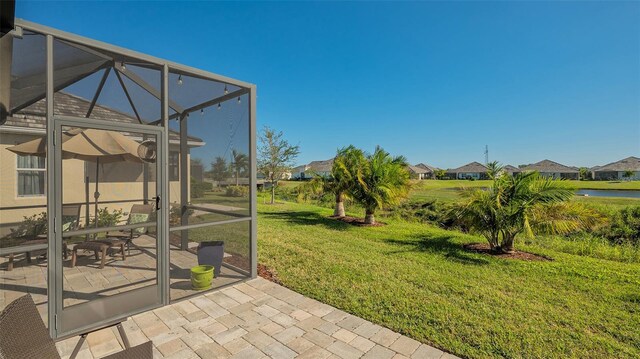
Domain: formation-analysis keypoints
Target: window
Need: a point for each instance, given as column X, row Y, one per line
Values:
column 174, row 166
column 31, row 175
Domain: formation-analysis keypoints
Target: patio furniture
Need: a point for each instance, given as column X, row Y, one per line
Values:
column 24, row 335
column 97, row 246
column 139, row 213
column 27, row 247
column 38, row 245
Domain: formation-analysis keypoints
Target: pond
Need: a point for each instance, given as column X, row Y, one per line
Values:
column 608, row 193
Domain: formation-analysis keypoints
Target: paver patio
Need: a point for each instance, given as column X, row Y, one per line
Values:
column 86, row 281
column 254, row 319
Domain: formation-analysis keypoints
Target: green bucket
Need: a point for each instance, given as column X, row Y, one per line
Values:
column 201, row 277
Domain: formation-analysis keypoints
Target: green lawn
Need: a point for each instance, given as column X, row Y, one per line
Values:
column 417, row 280
column 614, row 185
column 448, row 191
column 219, row 197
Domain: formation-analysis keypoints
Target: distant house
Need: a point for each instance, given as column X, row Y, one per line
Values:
column 511, row 170
column 616, row 170
column 284, row 176
column 551, row 169
column 473, row 170
column 418, row 172
column 314, row 168
column 431, row 170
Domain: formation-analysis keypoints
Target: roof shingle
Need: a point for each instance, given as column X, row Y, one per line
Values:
column 548, row 166
column 627, row 164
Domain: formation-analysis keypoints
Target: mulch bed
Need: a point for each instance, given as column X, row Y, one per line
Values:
column 263, row 270
column 238, row 261
column 484, row 248
column 357, row 221
column 268, row 274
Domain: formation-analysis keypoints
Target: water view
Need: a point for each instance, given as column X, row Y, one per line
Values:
column 608, row 193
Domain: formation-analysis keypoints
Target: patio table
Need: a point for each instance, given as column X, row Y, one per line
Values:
column 97, row 246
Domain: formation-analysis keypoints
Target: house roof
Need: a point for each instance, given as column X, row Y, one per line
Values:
column 628, row 164
column 321, row 166
column 418, row 170
column 472, row 167
column 65, row 104
column 429, row 168
column 511, row 169
column 549, row 166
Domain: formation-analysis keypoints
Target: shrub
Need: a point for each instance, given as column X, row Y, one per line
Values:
column 433, row 212
column 31, row 226
column 106, row 218
column 175, row 214
column 624, row 226
column 237, row 191
column 198, row 189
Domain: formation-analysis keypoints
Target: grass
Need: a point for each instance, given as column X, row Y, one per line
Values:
column 219, row 197
column 591, row 246
column 417, row 280
column 611, row 185
column 448, row 191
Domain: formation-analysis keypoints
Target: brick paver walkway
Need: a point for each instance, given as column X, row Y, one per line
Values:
column 255, row 319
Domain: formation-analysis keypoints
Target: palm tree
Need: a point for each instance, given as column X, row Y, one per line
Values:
column 584, row 173
column 494, row 169
column 240, row 163
column 525, row 202
column 628, row 174
column 382, row 181
column 219, row 169
column 345, row 171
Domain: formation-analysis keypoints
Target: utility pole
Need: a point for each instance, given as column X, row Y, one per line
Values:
column 486, row 154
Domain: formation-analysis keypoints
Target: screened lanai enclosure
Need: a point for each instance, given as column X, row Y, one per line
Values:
column 119, row 170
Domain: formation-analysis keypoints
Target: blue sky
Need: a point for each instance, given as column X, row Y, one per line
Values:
column 435, row 82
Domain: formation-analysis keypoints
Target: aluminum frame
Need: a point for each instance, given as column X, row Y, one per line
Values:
column 54, row 162
column 72, row 320
column 185, row 70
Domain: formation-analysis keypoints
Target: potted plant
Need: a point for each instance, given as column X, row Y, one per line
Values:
column 201, row 277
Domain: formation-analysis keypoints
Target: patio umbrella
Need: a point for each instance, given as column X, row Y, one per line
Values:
column 99, row 146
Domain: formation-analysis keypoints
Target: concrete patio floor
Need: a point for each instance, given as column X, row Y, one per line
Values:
column 254, row 319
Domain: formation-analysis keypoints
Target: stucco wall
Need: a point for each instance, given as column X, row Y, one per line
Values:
column 119, row 181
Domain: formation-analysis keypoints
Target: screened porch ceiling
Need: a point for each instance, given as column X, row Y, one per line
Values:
column 118, row 80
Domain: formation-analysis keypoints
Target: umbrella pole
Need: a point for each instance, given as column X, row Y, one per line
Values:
column 96, row 194
column 86, row 196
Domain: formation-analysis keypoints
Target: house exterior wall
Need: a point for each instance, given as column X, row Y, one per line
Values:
column 306, row 174
column 117, row 182
column 474, row 175
column 560, row 175
column 298, row 172
column 418, row 176
column 614, row 176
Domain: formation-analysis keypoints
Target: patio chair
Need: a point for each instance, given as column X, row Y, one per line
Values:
column 24, row 335
column 139, row 213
